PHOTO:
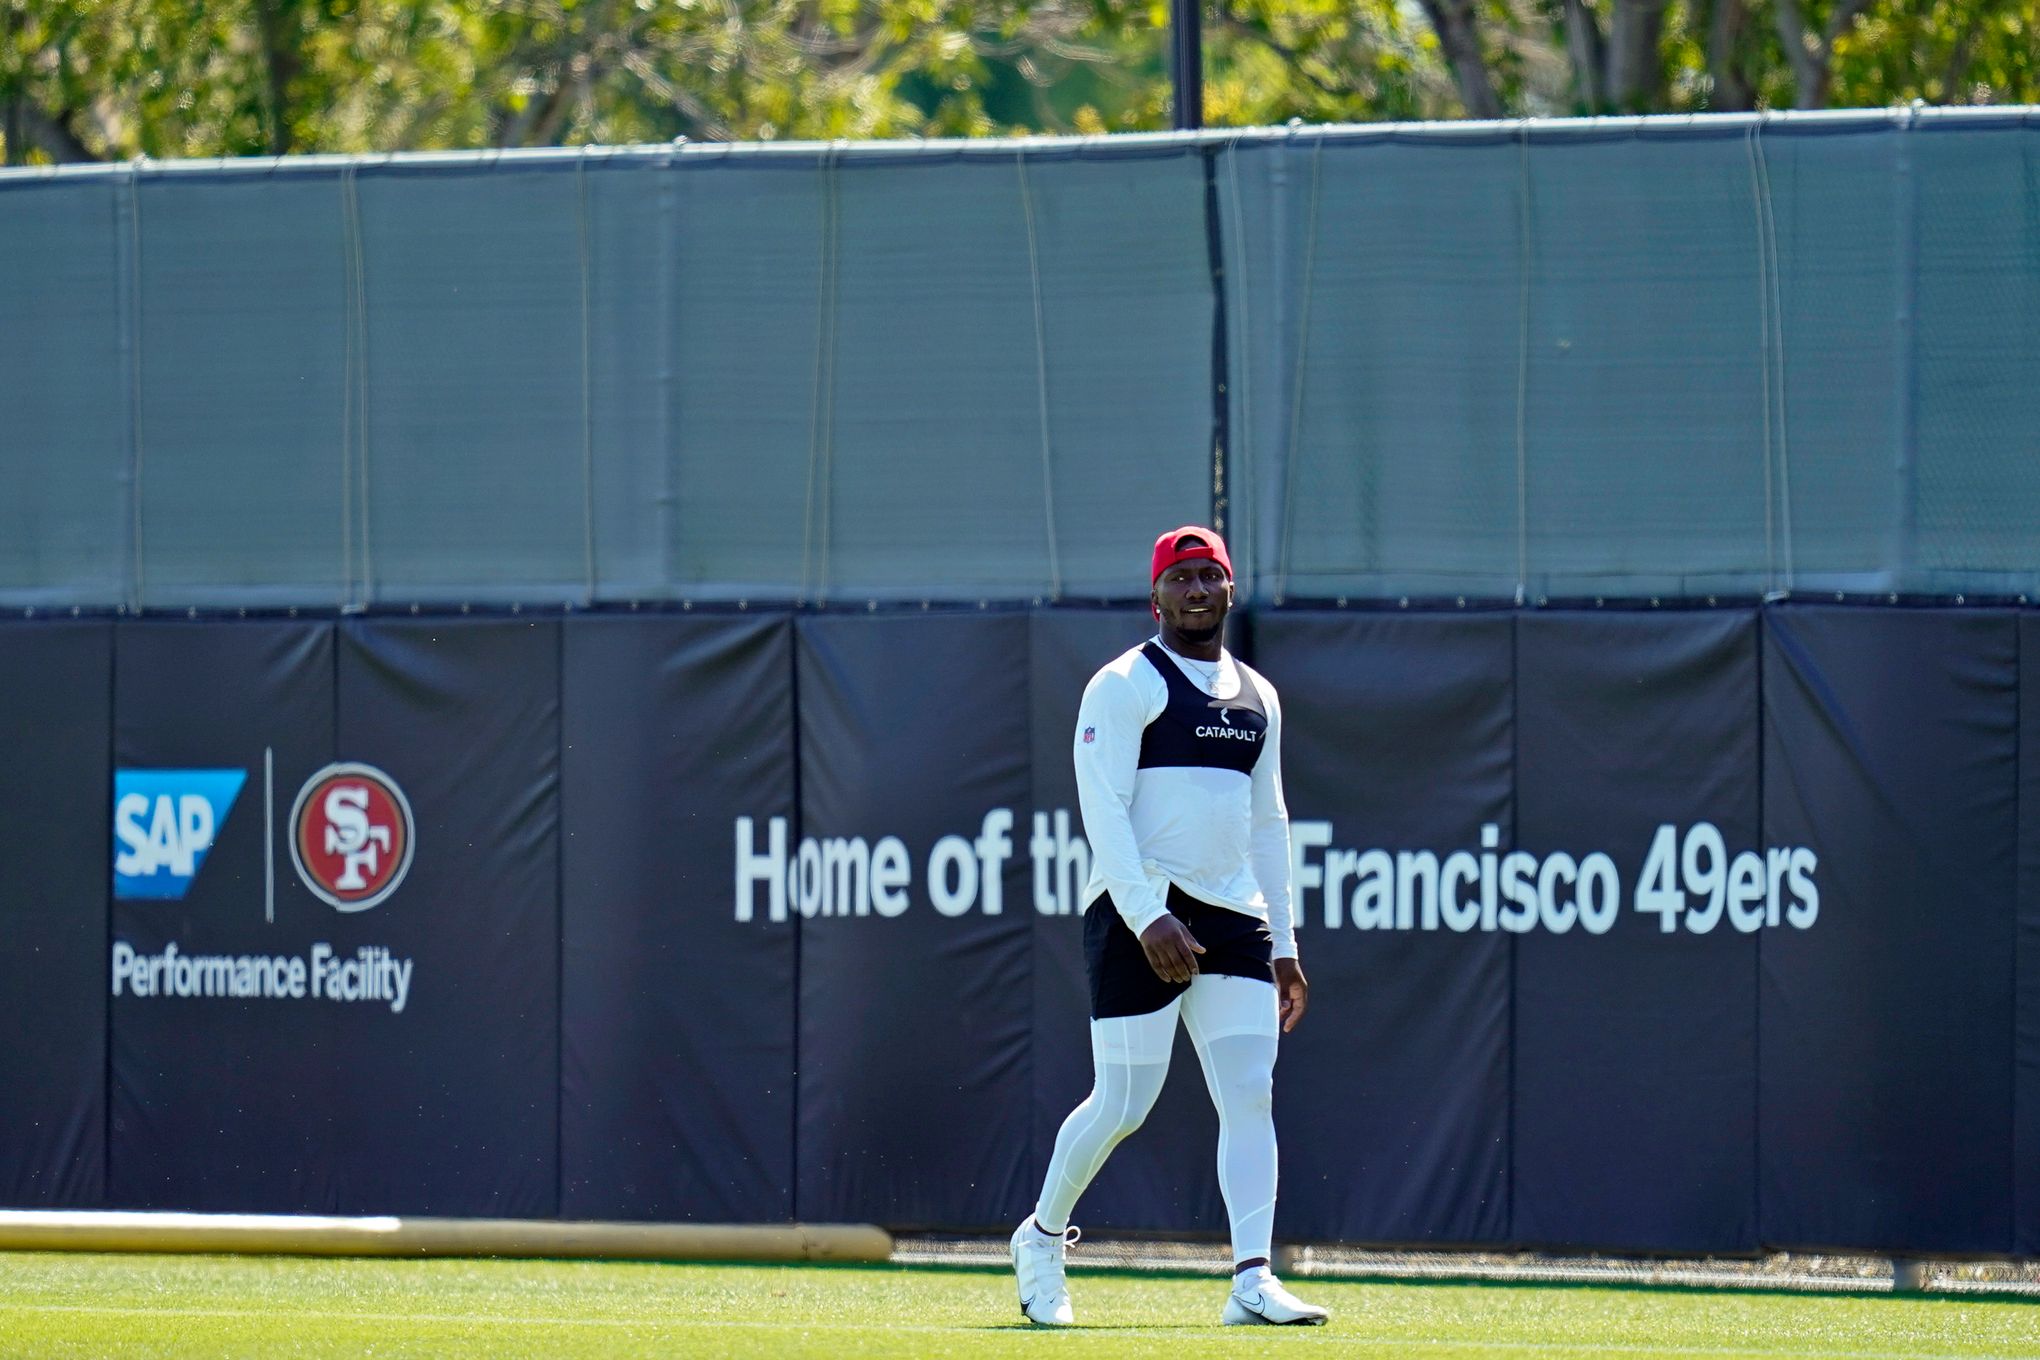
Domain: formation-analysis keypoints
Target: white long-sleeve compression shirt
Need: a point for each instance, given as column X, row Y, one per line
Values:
column 1203, row 809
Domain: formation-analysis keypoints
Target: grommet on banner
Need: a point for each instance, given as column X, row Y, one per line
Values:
column 1403, row 603
column 1710, row 599
column 1462, row 602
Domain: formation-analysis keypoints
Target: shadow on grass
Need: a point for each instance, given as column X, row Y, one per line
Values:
column 1082, row 1328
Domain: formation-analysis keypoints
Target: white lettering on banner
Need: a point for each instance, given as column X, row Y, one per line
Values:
column 849, row 876
column 1374, row 898
column 843, row 876
column 890, row 874
column 1598, row 904
column 1062, row 864
column 768, row 868
column 1041, row 849
column 846, row 875
column 1461, row 871
column 1806, row 910
column 1305, row 837
column 369, row 974
column 805, row 883
column 1687, row 876
column 951, row 859
column 994, row 847
column 179, row 827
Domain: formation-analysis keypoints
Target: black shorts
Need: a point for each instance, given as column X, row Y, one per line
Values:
column 1124, row 983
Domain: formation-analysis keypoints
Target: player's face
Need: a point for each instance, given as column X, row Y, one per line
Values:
column 1193, row 598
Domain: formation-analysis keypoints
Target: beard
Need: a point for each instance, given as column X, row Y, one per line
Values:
column 1200, row 632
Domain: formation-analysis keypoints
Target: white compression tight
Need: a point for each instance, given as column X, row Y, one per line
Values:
column 1231, row 1022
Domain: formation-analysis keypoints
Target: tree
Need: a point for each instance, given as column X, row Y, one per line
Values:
column 1686, row 56
column 111, row 79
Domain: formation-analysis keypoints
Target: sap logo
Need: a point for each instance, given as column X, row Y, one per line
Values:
column 164, row 822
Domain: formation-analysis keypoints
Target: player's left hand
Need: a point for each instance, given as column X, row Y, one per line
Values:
column 1294, row 991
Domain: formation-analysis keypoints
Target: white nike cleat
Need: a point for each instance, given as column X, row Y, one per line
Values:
column 1038, row 1265
column 1258, row 1297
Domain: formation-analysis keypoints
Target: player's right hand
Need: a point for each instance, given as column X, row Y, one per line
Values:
column 1171, row 949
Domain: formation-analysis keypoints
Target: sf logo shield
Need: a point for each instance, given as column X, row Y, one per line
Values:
column 351, row 835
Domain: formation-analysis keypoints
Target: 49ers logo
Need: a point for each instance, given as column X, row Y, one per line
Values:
column 350, row 835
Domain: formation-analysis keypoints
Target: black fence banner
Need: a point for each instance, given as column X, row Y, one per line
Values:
column 226, row 1030
column 2026, row 1095
column 1885, row 1005
column 677, row 1003
column 1392, row 1097
column 1164, row 1176
column 910, row 876
column 1635, row 993
column 447, row 1086
column 56, row 704
column 1698, row 930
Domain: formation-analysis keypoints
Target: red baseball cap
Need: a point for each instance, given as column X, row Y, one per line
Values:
column 1196, row 542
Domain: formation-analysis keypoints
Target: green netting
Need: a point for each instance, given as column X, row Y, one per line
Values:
column 1646, row 357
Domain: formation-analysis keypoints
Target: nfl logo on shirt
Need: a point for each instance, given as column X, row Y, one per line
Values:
column 1090, row 735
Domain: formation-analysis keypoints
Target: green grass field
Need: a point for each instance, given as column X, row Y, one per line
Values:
column 80, row 1305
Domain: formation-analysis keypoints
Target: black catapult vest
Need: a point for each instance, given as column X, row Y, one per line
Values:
column 1198, row 730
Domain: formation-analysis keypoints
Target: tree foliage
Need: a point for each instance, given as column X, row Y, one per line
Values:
column 112, row 79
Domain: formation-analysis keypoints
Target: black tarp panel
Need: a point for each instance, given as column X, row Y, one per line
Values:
column 1885, row 1027
column 454, row 1110
column 221, row 1103
column 677, row 1016
column 1163, row 1176
column 56, row 698
column 1865, row 1074
column 1392, row 1097
column 1635, row 1049
column 915, row 1024
column 2026, row 1080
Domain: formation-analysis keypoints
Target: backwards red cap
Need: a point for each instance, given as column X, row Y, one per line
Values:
column 1203, row 544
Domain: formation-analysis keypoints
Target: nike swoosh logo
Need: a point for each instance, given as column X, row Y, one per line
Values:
column 1253, row 1303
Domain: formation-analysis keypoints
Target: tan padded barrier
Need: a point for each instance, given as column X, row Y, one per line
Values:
column 28, row 1230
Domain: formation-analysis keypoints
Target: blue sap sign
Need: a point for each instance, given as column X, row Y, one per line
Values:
column 163, row 824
